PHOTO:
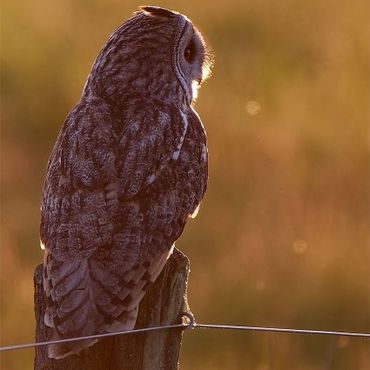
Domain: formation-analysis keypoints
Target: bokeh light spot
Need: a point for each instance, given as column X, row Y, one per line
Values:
column 299, row 246
column 253, row 107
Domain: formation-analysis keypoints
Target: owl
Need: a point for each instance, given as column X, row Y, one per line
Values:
column 128, row 168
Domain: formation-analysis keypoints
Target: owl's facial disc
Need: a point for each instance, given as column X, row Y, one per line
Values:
column 193, row 55
column 190, row 58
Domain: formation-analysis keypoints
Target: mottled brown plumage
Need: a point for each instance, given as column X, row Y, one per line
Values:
column 127, row 170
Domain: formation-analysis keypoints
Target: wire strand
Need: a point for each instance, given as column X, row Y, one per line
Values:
column 193, row 325
column 282, row 330
column 96, row 336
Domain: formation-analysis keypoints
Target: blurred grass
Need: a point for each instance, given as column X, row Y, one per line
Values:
column 282, row 236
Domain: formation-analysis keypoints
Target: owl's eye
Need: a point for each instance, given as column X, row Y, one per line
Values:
column 189, row 52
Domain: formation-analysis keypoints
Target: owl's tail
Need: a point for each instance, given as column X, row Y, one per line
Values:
column 84, row 298
column 62, row 350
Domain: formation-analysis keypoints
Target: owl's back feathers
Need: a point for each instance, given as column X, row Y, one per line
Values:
column 111, row 213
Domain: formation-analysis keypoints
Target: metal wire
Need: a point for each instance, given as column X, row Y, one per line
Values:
column 282, row 330
column 193, row 325
column 96, row 336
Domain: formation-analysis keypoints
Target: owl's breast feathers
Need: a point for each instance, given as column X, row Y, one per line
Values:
column 118, row 191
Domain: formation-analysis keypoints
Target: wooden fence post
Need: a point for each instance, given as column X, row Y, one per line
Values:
column 163, row 304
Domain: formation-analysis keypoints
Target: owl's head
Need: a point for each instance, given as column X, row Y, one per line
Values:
column 157, row 53
column 191, row 57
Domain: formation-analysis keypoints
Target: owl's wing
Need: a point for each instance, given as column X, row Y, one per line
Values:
column 95, row 272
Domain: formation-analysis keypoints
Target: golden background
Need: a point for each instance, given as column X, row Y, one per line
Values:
column 282, row 235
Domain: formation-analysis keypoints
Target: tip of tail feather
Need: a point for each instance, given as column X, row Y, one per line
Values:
column 62, row 350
